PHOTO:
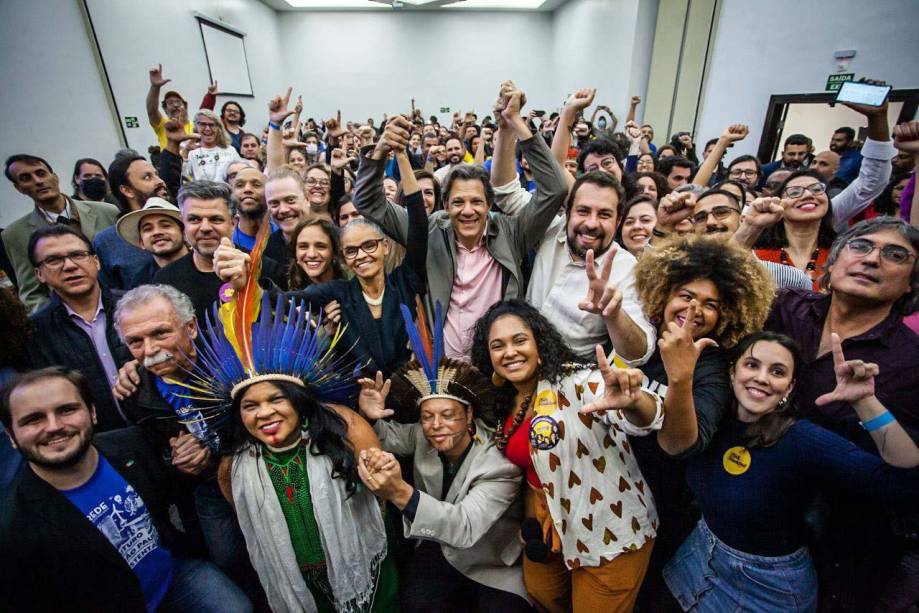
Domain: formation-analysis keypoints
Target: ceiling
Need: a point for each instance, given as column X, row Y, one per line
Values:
column 414, row 5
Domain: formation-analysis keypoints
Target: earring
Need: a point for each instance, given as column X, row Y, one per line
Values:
column 782, row 403
column 497, row 380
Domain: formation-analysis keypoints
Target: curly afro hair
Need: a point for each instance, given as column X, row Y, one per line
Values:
column 466, row 383
column 745, row 286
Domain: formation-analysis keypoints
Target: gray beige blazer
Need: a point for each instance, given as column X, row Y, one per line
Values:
column 94, row 217
column 477, row 521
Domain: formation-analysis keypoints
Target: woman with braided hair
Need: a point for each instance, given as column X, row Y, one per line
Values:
column 462, row 506
column 591, row 518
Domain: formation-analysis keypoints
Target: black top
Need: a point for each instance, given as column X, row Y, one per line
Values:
column 711, row 394
column 761, row 510
column 53, row 559
column 58, row 341
column 378, row 350
column 204, row 287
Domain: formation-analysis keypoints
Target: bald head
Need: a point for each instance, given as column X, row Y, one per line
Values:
column 826, row 163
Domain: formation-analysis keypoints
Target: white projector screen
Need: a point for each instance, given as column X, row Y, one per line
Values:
column 225, row 52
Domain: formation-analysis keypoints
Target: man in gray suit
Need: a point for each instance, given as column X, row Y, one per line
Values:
column 32, row 176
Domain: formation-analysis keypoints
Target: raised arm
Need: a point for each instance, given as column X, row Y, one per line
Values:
column 277, row 113
column 633, row 106
column 577, row 102
column 153, row 95
column 733, row 133
column 906, row 139
column 875, row 169
column 368, row 187
column 416, row 249
column 209, row 101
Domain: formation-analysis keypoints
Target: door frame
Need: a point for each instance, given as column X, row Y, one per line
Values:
column 778, row 108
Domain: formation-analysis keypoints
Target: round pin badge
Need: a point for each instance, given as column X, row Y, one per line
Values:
column 226, row 292
column 543, row 433
column 736, row 460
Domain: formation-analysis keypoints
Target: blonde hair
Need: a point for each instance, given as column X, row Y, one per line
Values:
column 745, row 287
column 223, row 139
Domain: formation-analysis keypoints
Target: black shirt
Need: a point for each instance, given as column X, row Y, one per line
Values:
column 204, row 287
column 711, row 394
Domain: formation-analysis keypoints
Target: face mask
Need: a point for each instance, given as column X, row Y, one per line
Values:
column 601, row 123
column 312, row 148
column 94, row 189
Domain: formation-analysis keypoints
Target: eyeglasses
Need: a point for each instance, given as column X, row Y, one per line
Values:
column 206, row 126
column 313, row 181
column 796, row 191
column 57, row 261
column 736, row 173
column 895, row 254
column 720, row 213
column 368, row 247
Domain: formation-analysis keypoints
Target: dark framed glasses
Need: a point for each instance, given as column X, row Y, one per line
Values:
column 720, row 213
column 368, row 247
column 796, row 191
column 54, row 262
column 895, row 254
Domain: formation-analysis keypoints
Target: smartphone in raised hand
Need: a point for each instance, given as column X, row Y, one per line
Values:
column 863, row 93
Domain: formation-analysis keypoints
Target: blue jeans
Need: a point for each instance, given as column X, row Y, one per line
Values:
column 707, row 575
column 199, row 587
column 225, row 542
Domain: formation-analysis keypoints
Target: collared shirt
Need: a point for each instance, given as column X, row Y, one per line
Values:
column 53, row 218
column 890, row 344
column 95, row 329
column 476, row 286
column 559, row 282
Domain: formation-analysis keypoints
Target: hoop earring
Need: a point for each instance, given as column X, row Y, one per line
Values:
column 497, row 380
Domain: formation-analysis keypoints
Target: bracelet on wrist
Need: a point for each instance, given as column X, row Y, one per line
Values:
column 272, row 125
column 876, row 423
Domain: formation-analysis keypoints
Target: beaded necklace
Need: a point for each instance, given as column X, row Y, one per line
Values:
column 502, row 436
column 811, row 267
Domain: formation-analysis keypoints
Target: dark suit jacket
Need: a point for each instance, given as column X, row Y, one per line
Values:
column 59, row 341
column 53, row 559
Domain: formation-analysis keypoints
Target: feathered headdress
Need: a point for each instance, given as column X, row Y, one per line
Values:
column 245, row 342
column 433, row 375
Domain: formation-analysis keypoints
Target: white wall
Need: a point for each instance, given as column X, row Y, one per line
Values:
column 51, row 102
column 766, row 47
column 370, row 63
column 136, row 35
column 604, row 44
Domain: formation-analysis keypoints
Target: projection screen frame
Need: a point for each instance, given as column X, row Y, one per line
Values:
column 228, row 29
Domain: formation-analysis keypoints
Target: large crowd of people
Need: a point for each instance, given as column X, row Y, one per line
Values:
column 526, row 361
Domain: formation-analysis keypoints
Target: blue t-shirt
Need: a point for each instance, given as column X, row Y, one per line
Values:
column 111, row 505
column 246, row 241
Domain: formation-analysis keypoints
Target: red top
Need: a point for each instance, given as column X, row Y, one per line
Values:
column 814, row 268
column 518, row 449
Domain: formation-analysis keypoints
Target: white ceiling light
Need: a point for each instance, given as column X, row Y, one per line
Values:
column 495, row 4
column 336, row 4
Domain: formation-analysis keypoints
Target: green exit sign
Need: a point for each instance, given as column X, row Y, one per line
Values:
column 835, row 81
column 131, row 122
column 445, row 109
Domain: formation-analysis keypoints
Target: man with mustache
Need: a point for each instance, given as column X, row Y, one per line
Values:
column 32, row 176
column 76, row 328
column 456, row 153
column 157, row 229
column 157, row 323
column 249, row 190
column 134, row 180
column 85, row 525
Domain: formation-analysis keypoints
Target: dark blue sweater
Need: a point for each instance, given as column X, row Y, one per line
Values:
column 761, row 511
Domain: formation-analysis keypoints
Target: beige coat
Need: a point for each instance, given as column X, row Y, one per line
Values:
column 477, row 521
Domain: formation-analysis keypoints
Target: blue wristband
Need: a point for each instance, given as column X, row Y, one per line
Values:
column 878, row 422
column 273, row 125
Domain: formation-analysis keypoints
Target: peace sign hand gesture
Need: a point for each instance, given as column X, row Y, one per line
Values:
column 602, row 298
column 854, row 378
column 622, row 387
column 372, row 399
column 679, row 351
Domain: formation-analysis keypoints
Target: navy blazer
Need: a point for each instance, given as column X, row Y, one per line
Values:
column 380, row 345
column 53, row 559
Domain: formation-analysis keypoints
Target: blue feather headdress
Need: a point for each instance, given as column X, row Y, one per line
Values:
column 435, row 373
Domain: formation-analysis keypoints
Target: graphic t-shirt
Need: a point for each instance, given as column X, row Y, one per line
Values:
column 111, row 505
column 210, row 164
